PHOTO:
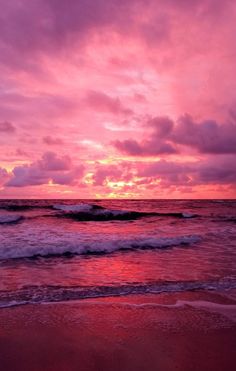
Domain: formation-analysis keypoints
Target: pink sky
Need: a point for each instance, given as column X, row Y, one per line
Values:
column 118, row 98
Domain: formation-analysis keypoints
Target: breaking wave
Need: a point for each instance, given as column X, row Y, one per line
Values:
column 46, row 294
column 8, row 219
column 91, row 212
column 81, row 247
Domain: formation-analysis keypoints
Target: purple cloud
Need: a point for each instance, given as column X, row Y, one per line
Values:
column 145, row 148
column 207, row 136
column 59, row 170
column 199, row 172
column 157, row 143
column 50, row 161
column 50, row 26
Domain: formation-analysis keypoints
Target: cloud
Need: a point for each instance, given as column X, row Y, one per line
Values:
column 7, row 127
column 52, row 141
column 167, row 137
column 58, row 170
column 4, row 176
column 208, row 171
column 104, row 173
column 165, row 174
column 145, row 148
column 103, row 102
column 220, row 171
column 207, row 136
column 48, row 24
column 50, row 161
column 95, row 72
column 49, row 27
column 156, row 144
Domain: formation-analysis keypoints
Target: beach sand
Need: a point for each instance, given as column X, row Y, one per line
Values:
column 131, row 333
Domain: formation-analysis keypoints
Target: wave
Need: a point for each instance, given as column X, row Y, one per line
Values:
column 8, row 219
column 96, row 247
column 91, row 212
column 47, row 294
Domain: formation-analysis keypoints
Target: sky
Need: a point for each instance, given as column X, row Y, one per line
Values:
column 117, row 99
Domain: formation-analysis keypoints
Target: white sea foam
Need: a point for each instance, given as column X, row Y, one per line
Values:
column 89, row 209
column 80, row 246
column 98, row 212
column 79, row 208
column 188, row 215
column 227, row 310
column 46, row 294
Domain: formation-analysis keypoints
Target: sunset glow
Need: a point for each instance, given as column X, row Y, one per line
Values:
column 123, row 99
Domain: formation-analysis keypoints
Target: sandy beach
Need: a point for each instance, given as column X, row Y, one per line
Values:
column 190, row 331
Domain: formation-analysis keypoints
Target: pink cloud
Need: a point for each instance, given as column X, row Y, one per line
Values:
column 103, row 102
column 51, row 141
column 163, row 174
column 103, row 173
column 4, row 176
column 7, row 127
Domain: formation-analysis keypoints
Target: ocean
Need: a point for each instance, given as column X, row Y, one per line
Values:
column 65, row 250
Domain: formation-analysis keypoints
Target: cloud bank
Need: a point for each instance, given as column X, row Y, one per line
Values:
column 118, row 98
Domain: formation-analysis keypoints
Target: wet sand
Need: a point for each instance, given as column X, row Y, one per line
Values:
column 191, row 331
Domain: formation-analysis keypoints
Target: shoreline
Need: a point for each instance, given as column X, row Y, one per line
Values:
column 166, row 332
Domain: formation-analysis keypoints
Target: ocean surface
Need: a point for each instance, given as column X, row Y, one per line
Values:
column 59, row 250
